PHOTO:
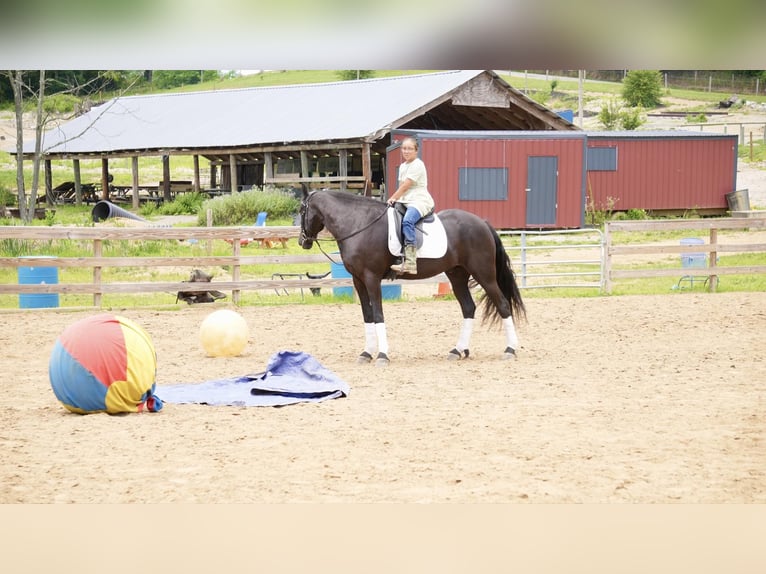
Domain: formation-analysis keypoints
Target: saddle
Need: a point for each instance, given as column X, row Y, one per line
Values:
column 399, row 210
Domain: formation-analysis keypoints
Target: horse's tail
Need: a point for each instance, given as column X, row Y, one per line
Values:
column 506, row 280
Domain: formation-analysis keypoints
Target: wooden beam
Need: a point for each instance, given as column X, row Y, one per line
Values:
column 105, row 178
column 233, row 173
column 134, row 173
column 77, row 182
column 196, row 173
column 166, row 178
column 366, row 169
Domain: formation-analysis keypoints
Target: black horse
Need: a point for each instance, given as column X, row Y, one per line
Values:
column 475, row 255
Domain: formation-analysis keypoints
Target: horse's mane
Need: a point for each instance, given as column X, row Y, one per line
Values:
column 352, row 198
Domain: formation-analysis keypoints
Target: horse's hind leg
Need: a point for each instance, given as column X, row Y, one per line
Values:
column 500, row 302
column 459, row 280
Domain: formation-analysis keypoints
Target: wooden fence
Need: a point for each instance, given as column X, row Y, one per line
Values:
column 98, row 261
column 713, row 248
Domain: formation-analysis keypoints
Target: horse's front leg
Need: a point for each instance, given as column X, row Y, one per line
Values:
column 375, row 337
column 459, row 280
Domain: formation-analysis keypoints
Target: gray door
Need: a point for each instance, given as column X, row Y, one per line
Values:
column 542, row 185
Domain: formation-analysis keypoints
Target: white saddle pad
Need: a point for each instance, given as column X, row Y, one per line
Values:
column 434, row 238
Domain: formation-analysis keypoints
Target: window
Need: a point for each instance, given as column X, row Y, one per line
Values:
column 483, row 184
column 602, row 159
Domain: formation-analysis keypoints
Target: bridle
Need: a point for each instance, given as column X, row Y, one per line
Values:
column 305, row 237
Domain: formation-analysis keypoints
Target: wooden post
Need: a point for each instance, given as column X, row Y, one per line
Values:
column 607, row 257
column 343, row 168
column 166, row 178
column 209, row 222
column 213, row 175
column 268, row 166
column 305, row 171
column 366, row 169
column 235, row 272
column 196, row 173
column 712, row 284
column 105, row 178
column 48, row 183
column 134, row 173
column 77, row 182
column 233, row 173
column 97, row 252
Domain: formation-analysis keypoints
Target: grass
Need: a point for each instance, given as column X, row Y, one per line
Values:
column 182, row 168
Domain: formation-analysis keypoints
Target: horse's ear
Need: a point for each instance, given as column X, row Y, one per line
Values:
column 305, row 189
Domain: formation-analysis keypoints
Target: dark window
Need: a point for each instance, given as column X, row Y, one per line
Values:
column 602, row 159
column 483, row 184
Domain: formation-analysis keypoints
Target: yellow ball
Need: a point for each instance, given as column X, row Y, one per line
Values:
column 223, row 333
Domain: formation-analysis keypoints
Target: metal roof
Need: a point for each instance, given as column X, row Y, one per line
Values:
column 227, row 118
column 279, row 115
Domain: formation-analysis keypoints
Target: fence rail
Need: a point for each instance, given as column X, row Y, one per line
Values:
column 712, row 271
column 582, row 258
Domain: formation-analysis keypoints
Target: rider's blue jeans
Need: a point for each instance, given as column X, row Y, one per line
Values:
column 408, row 225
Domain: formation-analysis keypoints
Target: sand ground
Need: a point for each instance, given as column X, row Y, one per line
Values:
column 650, row 399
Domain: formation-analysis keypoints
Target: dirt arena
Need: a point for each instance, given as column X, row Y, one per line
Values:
column 647, row 399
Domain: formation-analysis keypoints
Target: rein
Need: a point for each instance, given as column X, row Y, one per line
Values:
column 350, row 235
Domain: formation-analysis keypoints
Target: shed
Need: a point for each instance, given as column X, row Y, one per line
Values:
column 513, row 179
column 661, row 171
column 533, row 179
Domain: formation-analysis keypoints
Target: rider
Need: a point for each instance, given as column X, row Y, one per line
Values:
column 413, row 193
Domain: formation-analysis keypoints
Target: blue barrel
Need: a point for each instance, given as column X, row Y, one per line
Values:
column 338, row 270
column 30, row 275
column 693, row 259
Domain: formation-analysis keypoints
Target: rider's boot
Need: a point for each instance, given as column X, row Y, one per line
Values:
column 410, row 263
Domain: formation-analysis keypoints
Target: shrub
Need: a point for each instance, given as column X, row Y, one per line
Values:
column 642, row 88
column 243, row 208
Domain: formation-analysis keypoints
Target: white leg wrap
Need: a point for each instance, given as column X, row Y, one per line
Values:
column 370, row 338
column 511, row 339
column 464, row 340
column 380, row 329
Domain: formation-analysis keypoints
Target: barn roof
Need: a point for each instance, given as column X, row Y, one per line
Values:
column 361, row 110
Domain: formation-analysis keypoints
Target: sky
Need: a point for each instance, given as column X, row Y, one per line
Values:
column 397, row 34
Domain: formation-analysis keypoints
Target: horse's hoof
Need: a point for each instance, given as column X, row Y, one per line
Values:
column 455, row 355
column 364, row 358
column 381, row 360
column 509, row 354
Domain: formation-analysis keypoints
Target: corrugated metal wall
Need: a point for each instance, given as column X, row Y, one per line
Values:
column 654, row 172
column 668, row 173
column 444, row 158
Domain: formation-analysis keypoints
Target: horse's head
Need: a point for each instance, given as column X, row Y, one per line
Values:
column 312, row 220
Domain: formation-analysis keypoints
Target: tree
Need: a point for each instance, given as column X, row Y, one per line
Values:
column 642, row 88
column 27, row 85
column 356, row 74
column 18, row 85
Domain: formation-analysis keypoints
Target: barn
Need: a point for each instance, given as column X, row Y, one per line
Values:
column 533, row 179
column 326, row 134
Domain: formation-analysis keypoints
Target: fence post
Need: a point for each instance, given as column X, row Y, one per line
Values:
column 713, row 261
column 607, row 258
column 97, row 252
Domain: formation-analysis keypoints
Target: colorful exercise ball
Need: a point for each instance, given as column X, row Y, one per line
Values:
column 104, row 363
column 223, row 333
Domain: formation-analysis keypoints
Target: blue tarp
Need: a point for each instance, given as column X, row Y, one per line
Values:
column 290, row 377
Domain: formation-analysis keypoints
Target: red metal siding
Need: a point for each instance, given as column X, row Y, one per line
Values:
column 669, row 173
column 444, row 158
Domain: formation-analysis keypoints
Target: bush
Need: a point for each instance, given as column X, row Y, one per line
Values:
column 642, row 88
column 243, row 208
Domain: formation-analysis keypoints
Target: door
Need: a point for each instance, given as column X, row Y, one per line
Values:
column 542, row 189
